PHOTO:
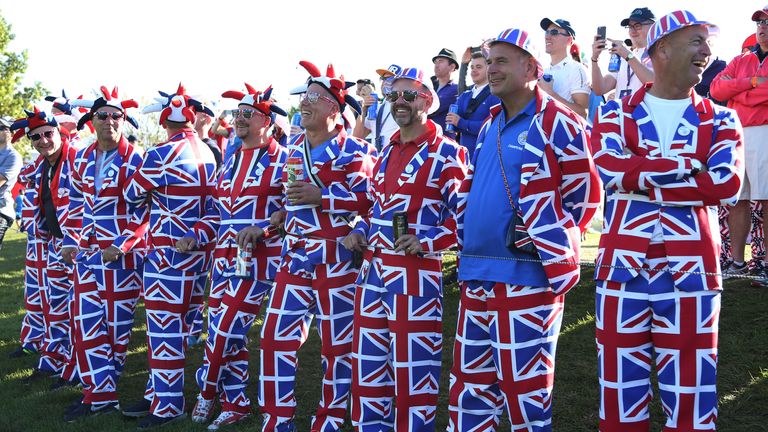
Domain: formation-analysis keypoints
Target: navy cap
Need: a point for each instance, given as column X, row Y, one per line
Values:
column 639, row 15
column 563, row 24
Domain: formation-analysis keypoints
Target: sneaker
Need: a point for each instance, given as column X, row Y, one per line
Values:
column 84, row 410
column 203, row 410
column 76, row 404
column 139, row 409
column 62, row 383
column 228, row 418
column 21, row 352
column 761, row 281
column 36, row 375
column 733, row 271
column 153, row 421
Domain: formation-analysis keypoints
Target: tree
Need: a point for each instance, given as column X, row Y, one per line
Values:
column 13, row 97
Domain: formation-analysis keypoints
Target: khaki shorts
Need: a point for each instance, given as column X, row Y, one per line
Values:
column 755, row 184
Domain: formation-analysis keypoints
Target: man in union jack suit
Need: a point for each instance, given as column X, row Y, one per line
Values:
column 47, row 215
column 398, row 339
column 328, row 184
column 669, row 158
column 176, row 181
column 531, row 192
column 105, row 291
column 249, row 190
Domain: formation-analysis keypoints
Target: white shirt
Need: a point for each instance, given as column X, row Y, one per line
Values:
column 477, row 89
column 626, row 79
column 388, row 124
column 569, row 77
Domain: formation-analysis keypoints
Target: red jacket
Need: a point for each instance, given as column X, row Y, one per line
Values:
column 751, row 104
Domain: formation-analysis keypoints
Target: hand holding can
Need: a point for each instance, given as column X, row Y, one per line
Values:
column 453, row 109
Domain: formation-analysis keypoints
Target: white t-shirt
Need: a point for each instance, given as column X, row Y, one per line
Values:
column 569, row 77
column 388, row 124
column 626, row 79
column 666, row 115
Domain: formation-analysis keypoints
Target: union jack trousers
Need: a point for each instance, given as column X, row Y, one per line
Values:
column 757, row 243
column 179, row 175
column 504, row 357
column 648, row 319
column 249, row 190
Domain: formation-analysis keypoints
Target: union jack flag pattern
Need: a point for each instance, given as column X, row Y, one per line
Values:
column 504, row 352
column 316, row 279
column 248, row 192
column 179, row 175
column 33, row 323
column 641, row 312
column 398, row 304
column 105, row 294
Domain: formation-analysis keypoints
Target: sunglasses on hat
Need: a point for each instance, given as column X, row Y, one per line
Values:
column 102, row 115
column 38, row 136
column 408, row 95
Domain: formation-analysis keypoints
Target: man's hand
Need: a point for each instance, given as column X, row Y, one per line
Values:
column 277, row 219
column 619, row 48
column 409, row 244
column 452, row 118
column 355, row 242
column 597, row 47
column 547, row 86
column 249, row 235
column 303, row 193
column 111, row 254
column 186, row 244
column 368, row 100
column 68, row 254
column 467, row 56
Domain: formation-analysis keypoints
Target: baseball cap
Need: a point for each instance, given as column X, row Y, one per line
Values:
column 642, row 14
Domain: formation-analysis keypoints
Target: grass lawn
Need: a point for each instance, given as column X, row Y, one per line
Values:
column 742, row 383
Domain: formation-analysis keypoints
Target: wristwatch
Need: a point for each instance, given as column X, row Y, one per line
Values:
column 696, row 167
column 629, row 57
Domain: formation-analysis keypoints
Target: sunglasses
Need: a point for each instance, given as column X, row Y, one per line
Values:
column 102, row 115
column 38, row 136
column 408, row 95
column 555, row 32
column 313, row 97
column 245, row 112
column 637, row 26
column 3, row 129
column 761, row 22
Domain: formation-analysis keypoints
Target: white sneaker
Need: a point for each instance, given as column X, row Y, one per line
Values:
column 227, row 418
column 203, row 410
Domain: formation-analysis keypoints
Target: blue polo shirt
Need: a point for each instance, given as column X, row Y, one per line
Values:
column 488, row 212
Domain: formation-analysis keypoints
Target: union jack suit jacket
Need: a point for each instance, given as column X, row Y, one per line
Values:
column 428, row 191
column 107, row 215
column 344, row 171
column 179, row 176
column 559, row 187
column 33, row 213
column 241, row 205
column 647, row 187
column 28, row 224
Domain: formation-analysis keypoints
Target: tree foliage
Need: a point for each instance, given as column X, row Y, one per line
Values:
column 13, row 97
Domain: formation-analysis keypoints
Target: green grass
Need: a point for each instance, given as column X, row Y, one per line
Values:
column 742, row 384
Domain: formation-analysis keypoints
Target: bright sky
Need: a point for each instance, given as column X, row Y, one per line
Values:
column 213, row 46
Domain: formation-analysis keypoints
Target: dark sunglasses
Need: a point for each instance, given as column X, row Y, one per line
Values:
column 102, row 115
column 37, row 136
column 555, row 32
column 408, row 95
column 761, row 22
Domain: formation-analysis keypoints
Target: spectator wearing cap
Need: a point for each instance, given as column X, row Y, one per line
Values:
column 105, row 314
column 381, row 128
column 174, row 185
column 415, row 188
column 445, row 64
column 566, row 80
column 10, row 166
column 667, row 155
column 328, row 177
column 47, row 214
column 498, row 362
column 248, row 191
column 635, row 68
column 474, row 105
column 743, row 84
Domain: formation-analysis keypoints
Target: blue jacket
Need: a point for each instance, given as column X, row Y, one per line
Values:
column 469, row 126
column 447, row 96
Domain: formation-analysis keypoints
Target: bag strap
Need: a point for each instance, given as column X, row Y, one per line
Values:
column 475, row 103
column 501, row 165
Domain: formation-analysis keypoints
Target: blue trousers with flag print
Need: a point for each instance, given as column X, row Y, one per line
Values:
column 167, row 296
column 504, row 357
column 224, row 371
column 327, row 294
column 648, row 320
column 33, row 323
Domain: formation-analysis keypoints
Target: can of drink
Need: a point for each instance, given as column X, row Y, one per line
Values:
column 374, row 107
column 453, row 109
column 357, row 259
column 294, row 169
column 242, row 268
column 296, row 119
column 614, row 63
column 399, row 224
column 547, row 77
